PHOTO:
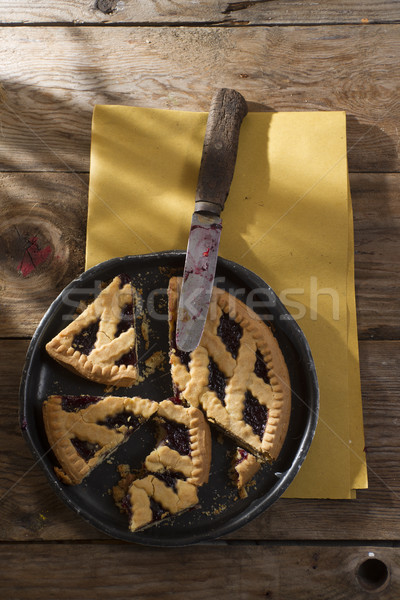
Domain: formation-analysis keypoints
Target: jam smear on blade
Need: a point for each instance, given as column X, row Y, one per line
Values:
column 86, row 450
column 260, row 368
column 255, row 414
column 230, row 332
column 178, row 437
column 75, row 403
column 85, row 340
column 216, row 380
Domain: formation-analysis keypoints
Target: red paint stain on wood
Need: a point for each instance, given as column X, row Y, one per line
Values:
column 33, row 257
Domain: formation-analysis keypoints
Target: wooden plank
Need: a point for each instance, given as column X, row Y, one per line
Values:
column 29, row 509
column 377, row 254
column 52, row 207
column 48, row 97
column 253, row 12
column 40, row 213
column 115, row 571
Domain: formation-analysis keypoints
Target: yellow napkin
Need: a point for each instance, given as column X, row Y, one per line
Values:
column 288, row 218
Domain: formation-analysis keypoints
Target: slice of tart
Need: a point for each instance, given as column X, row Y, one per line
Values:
column 244, row 467
column 83, row 430
column 172, row 472
column 100, row 344
column 237, row 374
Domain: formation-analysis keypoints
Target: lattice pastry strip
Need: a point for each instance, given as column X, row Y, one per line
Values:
column 83, row 430
column 237, row 374
column 100, row 344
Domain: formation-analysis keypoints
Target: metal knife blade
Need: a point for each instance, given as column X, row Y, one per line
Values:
column 198, row 278
column 227, row 111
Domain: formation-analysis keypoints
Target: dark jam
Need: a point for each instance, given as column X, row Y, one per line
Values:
column 176, row 399
column 243, row 454
column 124, row 279
column 230, row 332
column 178, row 437
column 122, row 419
column 157, row 510
column 169, row 478
column 255, row 414
column 126, row 319
column 85, row 340
column 86, row 450
column 75, row 403
column 183, row 356
column 129, row 358
column 260, row 368
column 126, row 504
column 216, row 380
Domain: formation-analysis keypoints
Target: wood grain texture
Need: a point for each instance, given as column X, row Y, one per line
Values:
column 115, row 571
column 30, row 510
column 52, row 206
column 52, row 211
column 48, row 97
column 175, row 12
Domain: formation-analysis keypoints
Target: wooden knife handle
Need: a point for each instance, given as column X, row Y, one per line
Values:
column 227, row 111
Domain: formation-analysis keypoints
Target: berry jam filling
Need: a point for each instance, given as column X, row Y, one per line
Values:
column 216, row 381
column 75, row 403
column 122, row 419
column 255, row 414
column 178, row 437
column 129, row 358
column 183, row 356
column 126, row 504
column 124, row 279
column 230, row 332
column 126, row 319
column 176, row 399
column 86, row 450
column 260, row 368
column 169, row 478
column 85, row 340
column 157, row 510
column 243, row 454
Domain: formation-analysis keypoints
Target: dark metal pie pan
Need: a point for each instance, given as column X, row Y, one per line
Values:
column 221, row 511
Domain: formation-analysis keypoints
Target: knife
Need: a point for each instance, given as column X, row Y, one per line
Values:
column 227, row 111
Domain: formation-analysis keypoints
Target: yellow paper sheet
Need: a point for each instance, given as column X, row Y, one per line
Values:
column 287, row 218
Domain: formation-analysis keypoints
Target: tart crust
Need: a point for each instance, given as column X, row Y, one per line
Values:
column 257, row 342
column 64, row 426
column 245, row 466
column 101, row 363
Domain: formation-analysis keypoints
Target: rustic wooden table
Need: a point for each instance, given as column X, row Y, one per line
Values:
column 59, row 59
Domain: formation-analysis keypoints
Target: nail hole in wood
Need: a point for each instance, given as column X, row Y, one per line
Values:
column 373, row 574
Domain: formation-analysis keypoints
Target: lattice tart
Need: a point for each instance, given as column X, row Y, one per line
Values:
column 237, row 374
column 84, row 430
column 172, row 472
column 100, row 344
